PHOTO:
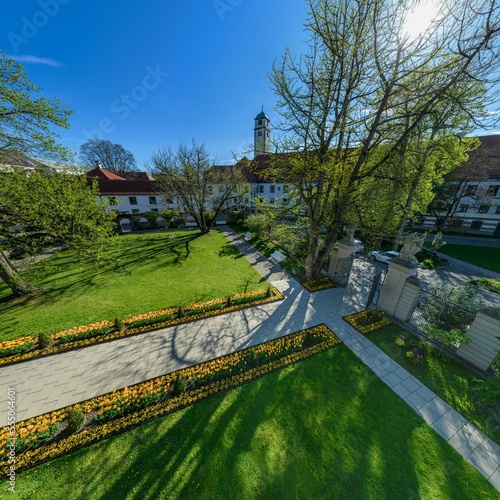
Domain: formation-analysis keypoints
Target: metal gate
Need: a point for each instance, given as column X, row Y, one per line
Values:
column 377, row 283
column 342, row 271
column 432, row 309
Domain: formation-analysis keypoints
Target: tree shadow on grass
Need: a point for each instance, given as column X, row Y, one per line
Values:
column 326, row 427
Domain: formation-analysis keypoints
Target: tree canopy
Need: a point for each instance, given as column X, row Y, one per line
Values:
column 26, row 120
column 40, row 209
column 353, row 107
column 203, row 188
column 112, row 157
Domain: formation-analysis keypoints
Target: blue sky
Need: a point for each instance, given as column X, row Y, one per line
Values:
column 155, row 73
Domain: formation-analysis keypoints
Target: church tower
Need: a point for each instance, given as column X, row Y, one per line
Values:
column 261, row 134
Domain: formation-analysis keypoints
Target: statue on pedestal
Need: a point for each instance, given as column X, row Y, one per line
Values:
column 412, row 244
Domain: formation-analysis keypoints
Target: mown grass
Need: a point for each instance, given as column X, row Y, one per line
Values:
column 485, row 257
column 326, row 427
column 444, row 376
column 139, row 273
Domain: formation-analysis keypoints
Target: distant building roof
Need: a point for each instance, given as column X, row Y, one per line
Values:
column 133, row 183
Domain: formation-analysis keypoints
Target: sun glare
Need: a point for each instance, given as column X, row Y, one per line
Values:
column 420, row 18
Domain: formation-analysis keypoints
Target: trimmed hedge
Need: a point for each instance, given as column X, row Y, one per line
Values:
column 125, row 408
column 24, row 348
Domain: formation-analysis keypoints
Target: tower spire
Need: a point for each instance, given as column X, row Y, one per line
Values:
column 261, row 133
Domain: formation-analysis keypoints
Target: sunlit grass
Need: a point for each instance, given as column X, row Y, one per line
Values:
column 326, row 427
column 446, row 377
column 139, row 273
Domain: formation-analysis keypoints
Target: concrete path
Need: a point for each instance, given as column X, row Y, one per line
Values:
column 57, row 381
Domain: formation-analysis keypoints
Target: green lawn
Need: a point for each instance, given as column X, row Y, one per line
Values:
column 443, row 375
column 326, row 427
column 143, row 272
column 488, row 258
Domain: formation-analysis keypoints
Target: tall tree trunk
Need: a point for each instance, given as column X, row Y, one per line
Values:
column 14, row 280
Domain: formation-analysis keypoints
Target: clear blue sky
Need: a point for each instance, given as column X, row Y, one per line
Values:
column 191, row 69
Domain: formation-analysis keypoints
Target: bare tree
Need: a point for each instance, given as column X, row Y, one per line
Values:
column 112, row 157
column 350, row 104
column 203, row 188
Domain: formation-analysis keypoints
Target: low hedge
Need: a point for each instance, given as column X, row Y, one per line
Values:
column 367, row 321
column 25, row 348
column 46, row 437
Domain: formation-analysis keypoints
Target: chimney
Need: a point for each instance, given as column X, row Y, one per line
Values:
column 97, row 164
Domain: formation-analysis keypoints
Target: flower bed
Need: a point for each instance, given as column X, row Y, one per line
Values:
column 321, row 283
column 47, row 436
column 490, row 284
column 24, row 348
column 367, row 321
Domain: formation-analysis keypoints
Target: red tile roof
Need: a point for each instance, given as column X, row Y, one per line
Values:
column 134, row 183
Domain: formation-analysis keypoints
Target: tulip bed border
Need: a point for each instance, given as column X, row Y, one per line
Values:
column 104, row 331
column 269, row 357
column 367, row 321
column 315, row 285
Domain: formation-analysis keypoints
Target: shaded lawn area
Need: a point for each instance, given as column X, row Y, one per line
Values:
column 488, row 258
column 139, row 273
column 326, row 427
column 441, row 374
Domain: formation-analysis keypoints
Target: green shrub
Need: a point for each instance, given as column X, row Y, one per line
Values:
column 118, row 324
column 252, row 358
column 180, row 385
column 75, row 419
column 44, row 340
column 229, row 302
column 269, row 292
column 180, row 312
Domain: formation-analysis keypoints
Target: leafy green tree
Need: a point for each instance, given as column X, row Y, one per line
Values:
column 26, row 120
column 352, row 102
column 40, row 209
column 204, row 189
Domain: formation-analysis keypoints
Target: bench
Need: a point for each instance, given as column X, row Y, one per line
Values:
column 278, row 256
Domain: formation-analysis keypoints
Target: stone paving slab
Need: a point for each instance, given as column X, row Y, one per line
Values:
column 67, row 378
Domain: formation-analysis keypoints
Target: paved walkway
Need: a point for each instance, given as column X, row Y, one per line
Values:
column 57, row 381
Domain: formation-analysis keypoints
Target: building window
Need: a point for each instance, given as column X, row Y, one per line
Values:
column 261, row 188
column 112, row 200
column 285, row 200
column 497, row 211
column 133, row 200
column 271, row 200
column 483, row 209
column 170, row 201
column 493, row 190
column 135, row 211
column 464, row 207
column 154, row 210
column 152, row 200
column 476, row 224
column 279, row 188
column 271, row 188
column 260, row 122
column 471, row 190
column 259, row 133
column 285, row 188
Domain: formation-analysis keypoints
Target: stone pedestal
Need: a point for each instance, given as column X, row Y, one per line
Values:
column 341, row 262
column 394, row 283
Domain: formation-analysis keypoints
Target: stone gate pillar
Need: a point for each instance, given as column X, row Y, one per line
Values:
column 337, row 269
